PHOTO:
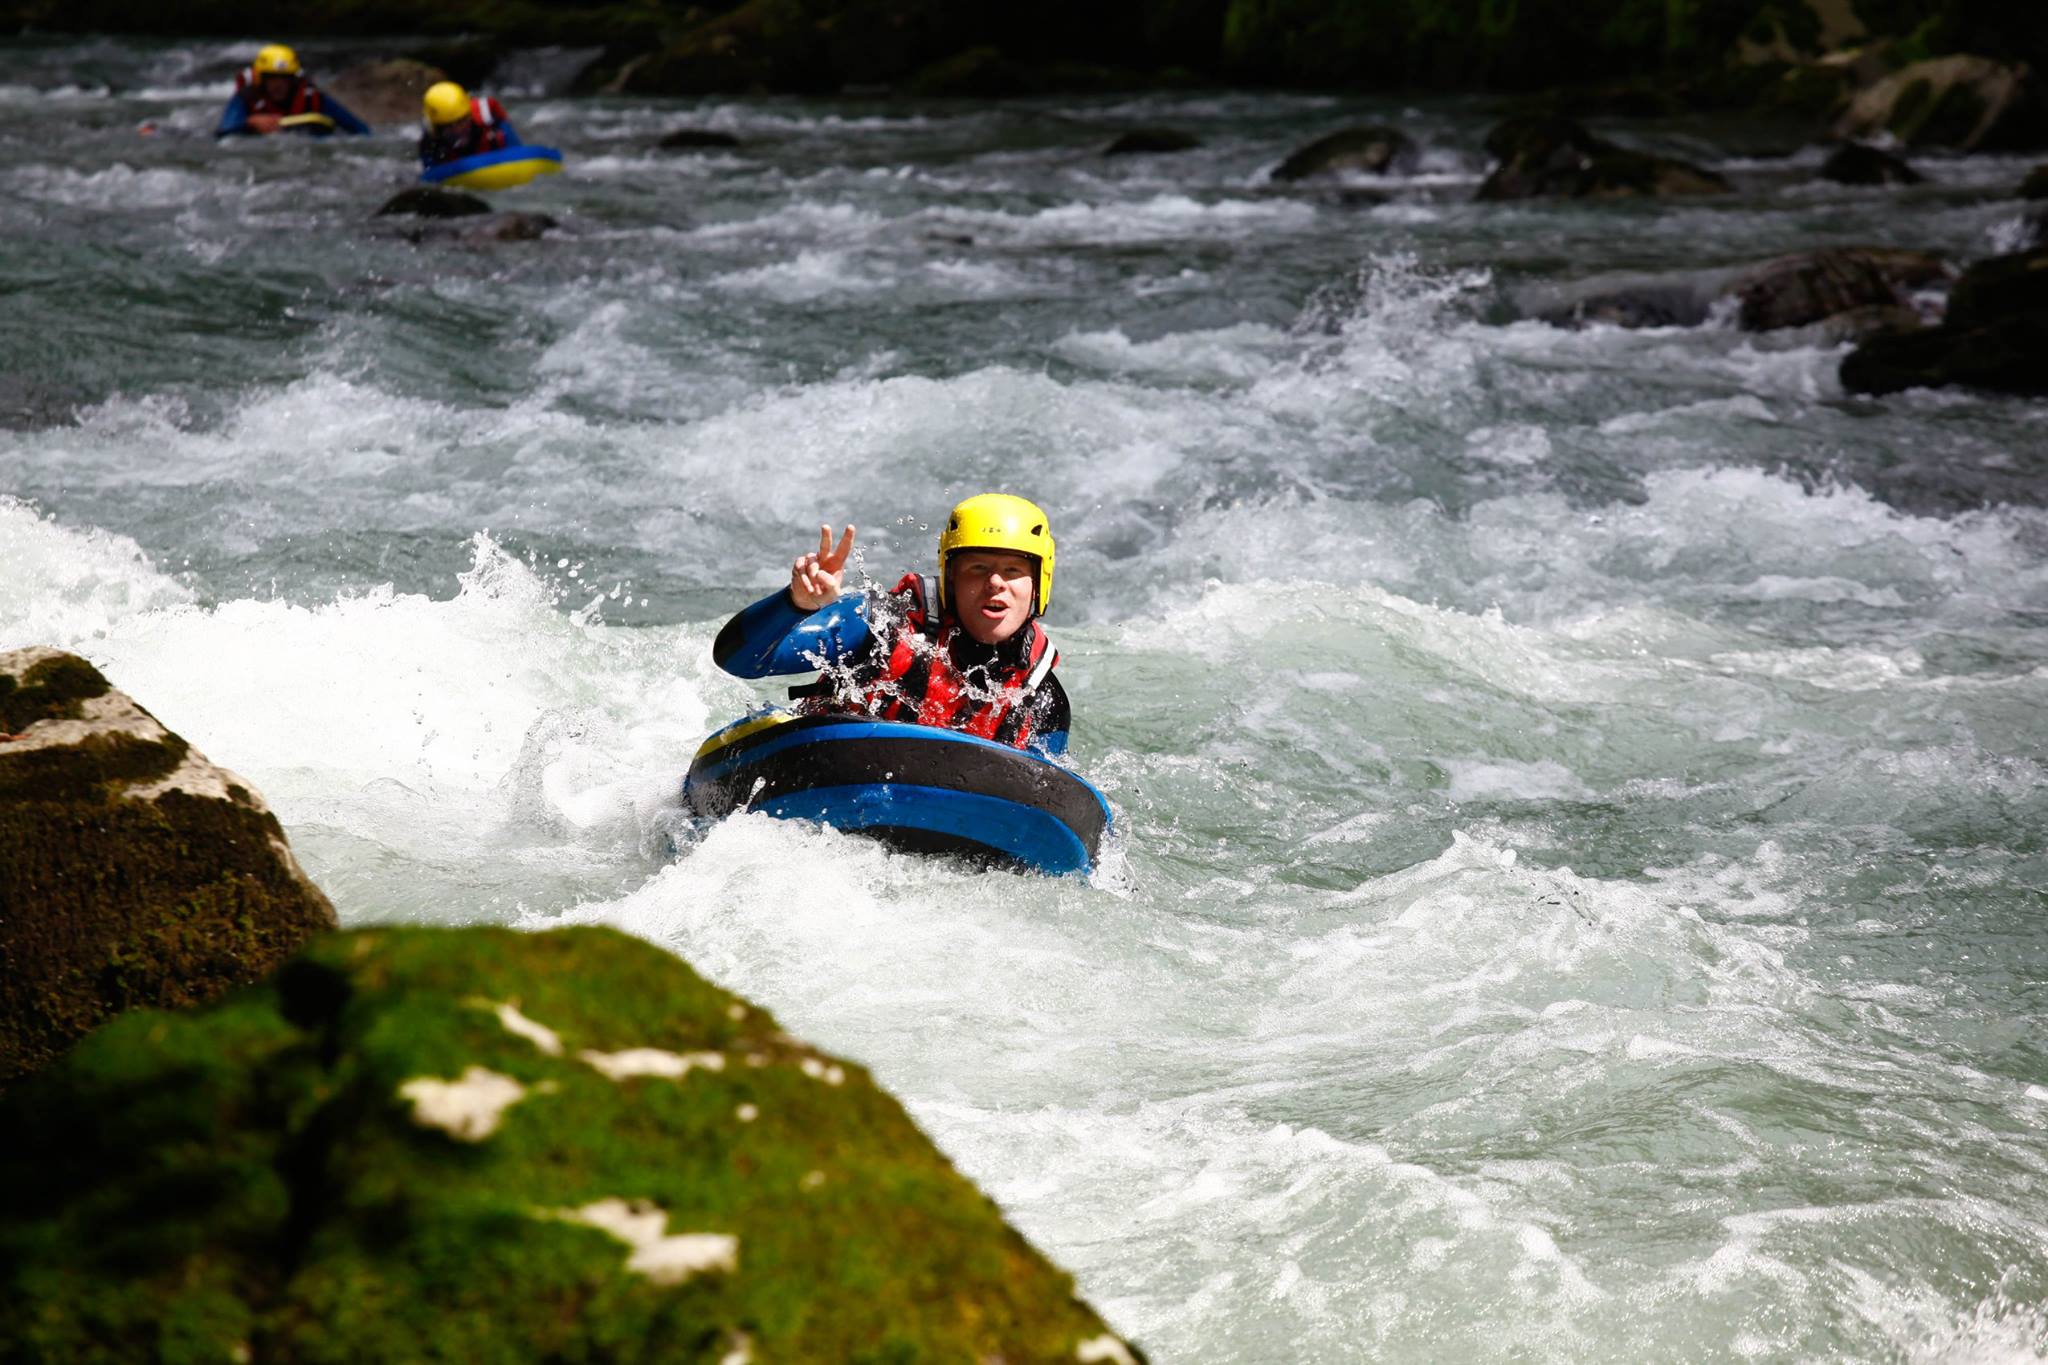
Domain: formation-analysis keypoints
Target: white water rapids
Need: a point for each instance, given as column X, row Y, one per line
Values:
column 1580, row 878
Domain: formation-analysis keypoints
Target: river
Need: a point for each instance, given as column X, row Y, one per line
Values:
column 1579, row 883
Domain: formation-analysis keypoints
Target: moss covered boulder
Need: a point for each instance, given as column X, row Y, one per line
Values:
column 482, row 1145
column 132, row 871
column 1962, row 102
column 1545, row 155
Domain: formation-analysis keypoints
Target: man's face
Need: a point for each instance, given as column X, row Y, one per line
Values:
column 277, row 88
column 991, row 592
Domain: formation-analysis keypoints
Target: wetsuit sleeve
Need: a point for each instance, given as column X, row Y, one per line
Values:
column 343, row 119
column 1056, row 717
column 235, row 118
column 775, row 636
column 504, row 125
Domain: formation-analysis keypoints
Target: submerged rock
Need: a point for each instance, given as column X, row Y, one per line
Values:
column 1859, row 163
column 485, row 231
column 479, row 1144
column 1966, row 103
column 1370, row 150
column 696, row 139
column 2035, row 186
column 1541, row 155
column 1995, row 336
column 1151, row 141
column 429, row 201
column 133, row 872
column 385, row 91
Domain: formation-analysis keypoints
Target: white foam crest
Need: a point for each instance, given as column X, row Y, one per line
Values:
column 72, row 588
column 487, row 728
column 1376, row 629
column 1164, row 217
column 1712, row 537
column 1202, row 1230
column 812, row 275
column 801, row 219
column 741, row 118
column 120, row 186
column 1237, row 354
column 1085, row 440
column 1396, row 328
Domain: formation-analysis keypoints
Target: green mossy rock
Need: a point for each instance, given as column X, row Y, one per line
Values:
column 133, row 872
column 479, row 1145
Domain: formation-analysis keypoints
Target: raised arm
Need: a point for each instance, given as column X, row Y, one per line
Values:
column 801, row 626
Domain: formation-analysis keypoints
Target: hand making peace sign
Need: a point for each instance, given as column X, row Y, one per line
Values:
column 814, row 578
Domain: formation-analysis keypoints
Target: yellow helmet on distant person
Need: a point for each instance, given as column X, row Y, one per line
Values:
column 444, row 102
column 1000, row 521
column 275, row 59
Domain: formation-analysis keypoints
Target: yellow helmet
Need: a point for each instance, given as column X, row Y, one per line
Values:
column 1000, row 521
column 275, row 59
column 444, row 102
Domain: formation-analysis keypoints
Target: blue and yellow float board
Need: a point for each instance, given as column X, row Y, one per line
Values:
column 915, row 787
column 500, row 170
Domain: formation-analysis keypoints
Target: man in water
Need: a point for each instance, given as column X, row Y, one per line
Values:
column 963, row 651
column 274, row 91
column 456, row 124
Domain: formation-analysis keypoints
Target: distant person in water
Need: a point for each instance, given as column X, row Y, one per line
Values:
column 456, row 124
column 963, row 651
column 274, row 94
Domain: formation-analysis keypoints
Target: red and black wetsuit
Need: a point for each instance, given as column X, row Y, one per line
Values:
column 895, row 658
column 487, row 130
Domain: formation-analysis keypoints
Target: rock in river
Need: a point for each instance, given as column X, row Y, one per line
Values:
column 385, row 91
column 1811, row 286
column 133, row 872
column 1151, row 141
column 1543, row 154
column 1854, row 291
column 1371, row 150
column 430, row 201
column 478, row 1144
column 1995, row 336
column 1859, row 163
column 697, row 140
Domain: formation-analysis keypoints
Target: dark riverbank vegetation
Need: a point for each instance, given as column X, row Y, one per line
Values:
column 1635, row 56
